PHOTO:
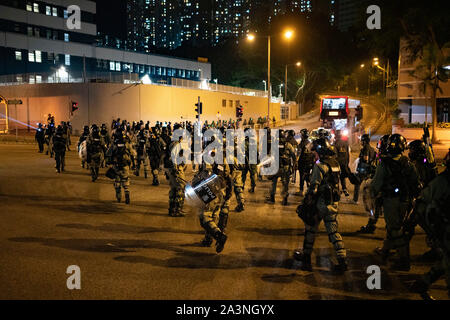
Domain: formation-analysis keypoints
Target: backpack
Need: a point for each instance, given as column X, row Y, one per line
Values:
column 331, row 179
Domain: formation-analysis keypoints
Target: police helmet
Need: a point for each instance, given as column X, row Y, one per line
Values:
column 416, row 149
column 396, row 144
column 304, row 133
column 323, row 147
column 365, row 138
column 59, row 129
column 86, row 129
column 291, row 133
column 382, row 143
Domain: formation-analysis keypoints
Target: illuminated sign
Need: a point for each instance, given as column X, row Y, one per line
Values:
column 333, row 113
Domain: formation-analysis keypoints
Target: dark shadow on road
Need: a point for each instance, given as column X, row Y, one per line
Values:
column 123, row 228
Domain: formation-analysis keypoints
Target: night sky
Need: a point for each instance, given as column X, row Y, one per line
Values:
column 111, row 18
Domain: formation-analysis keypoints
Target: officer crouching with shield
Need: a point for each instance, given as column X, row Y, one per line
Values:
column 321, row 202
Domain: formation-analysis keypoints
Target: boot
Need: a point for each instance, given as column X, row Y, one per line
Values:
column 285, row 201
column 119, row 198
column 240, row 207
column 420, row 287
column 221, row 238
column 342, row 266
column 207, row 241
column 145, row 174
column 155, row 181
column 305, row 259
column 384, row 254
column 270, row 199
column 368, row 229
column 403, row 263
column 252, row 190
column 127, row 198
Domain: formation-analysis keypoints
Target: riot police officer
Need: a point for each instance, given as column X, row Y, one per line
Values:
column 432, row 210
column 83, row 138
column 40, row 137
column 59, row 148
column 119, row 157
column 177, row 178
column 49, row 132
column 397, row 182
column 250, row 168
column 155, row 150
column 365, row 166
column 287, row 156
column 321, row 201
column 141, row 150
column 306, row 160
column 378, row 202
column 96, row 149
column 343, row 157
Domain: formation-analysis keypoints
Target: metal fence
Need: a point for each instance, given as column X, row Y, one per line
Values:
column 62, row 76
column 205, row 85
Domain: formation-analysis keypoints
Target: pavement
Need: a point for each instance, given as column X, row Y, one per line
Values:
column 50, row 221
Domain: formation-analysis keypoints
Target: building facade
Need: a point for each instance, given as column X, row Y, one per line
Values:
column 37, row 46
column 414, row 101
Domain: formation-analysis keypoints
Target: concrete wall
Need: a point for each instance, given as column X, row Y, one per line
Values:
column 100, row 103
column 416, row 133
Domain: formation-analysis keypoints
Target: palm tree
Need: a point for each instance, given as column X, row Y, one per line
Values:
column 432, row 58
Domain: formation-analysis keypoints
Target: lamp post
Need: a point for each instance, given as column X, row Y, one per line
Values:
column 288, row 34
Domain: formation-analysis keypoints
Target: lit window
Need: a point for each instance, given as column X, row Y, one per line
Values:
column 29, row 6
column 30, row 31
column 19, row 55
column 36, row 7
column 32, row 80
column 38, row 79
column 67, row 59
column 55, row 11
column 19, row 79
column 112, row 65
column 117, row 66
column 66, row 15
column 31, row 56
column 48, row 10
column 66, row 37
column 38, row 56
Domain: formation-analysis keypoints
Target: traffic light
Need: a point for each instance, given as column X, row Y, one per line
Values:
column 199, row 109
column 74, row 106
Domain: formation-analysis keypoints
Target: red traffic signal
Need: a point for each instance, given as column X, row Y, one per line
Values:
column 74, row 106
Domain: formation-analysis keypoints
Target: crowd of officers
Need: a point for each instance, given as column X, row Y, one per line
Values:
column 405, row 189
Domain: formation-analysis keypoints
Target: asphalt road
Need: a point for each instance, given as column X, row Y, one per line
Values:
column 50, row 221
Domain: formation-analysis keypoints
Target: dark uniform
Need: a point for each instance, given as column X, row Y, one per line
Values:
column 343, row 157
column 119, row 157
column 177, row 178
column 432, row 210
column 366, row 164
column 322, row 200
column 96, row 149
column 397, row 181
column 378, row 202
column 155, row 150
column 40, row 137
column 287, row 156
column 59, row 148
column 83, row 138
column 49, row 132
column 141, row 150
column 306, row 159
column 250, row 169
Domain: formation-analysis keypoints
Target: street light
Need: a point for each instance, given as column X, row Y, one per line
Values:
column 288, row 34
column 298, row 64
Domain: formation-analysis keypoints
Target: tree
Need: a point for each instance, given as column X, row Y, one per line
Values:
column 432, row 58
